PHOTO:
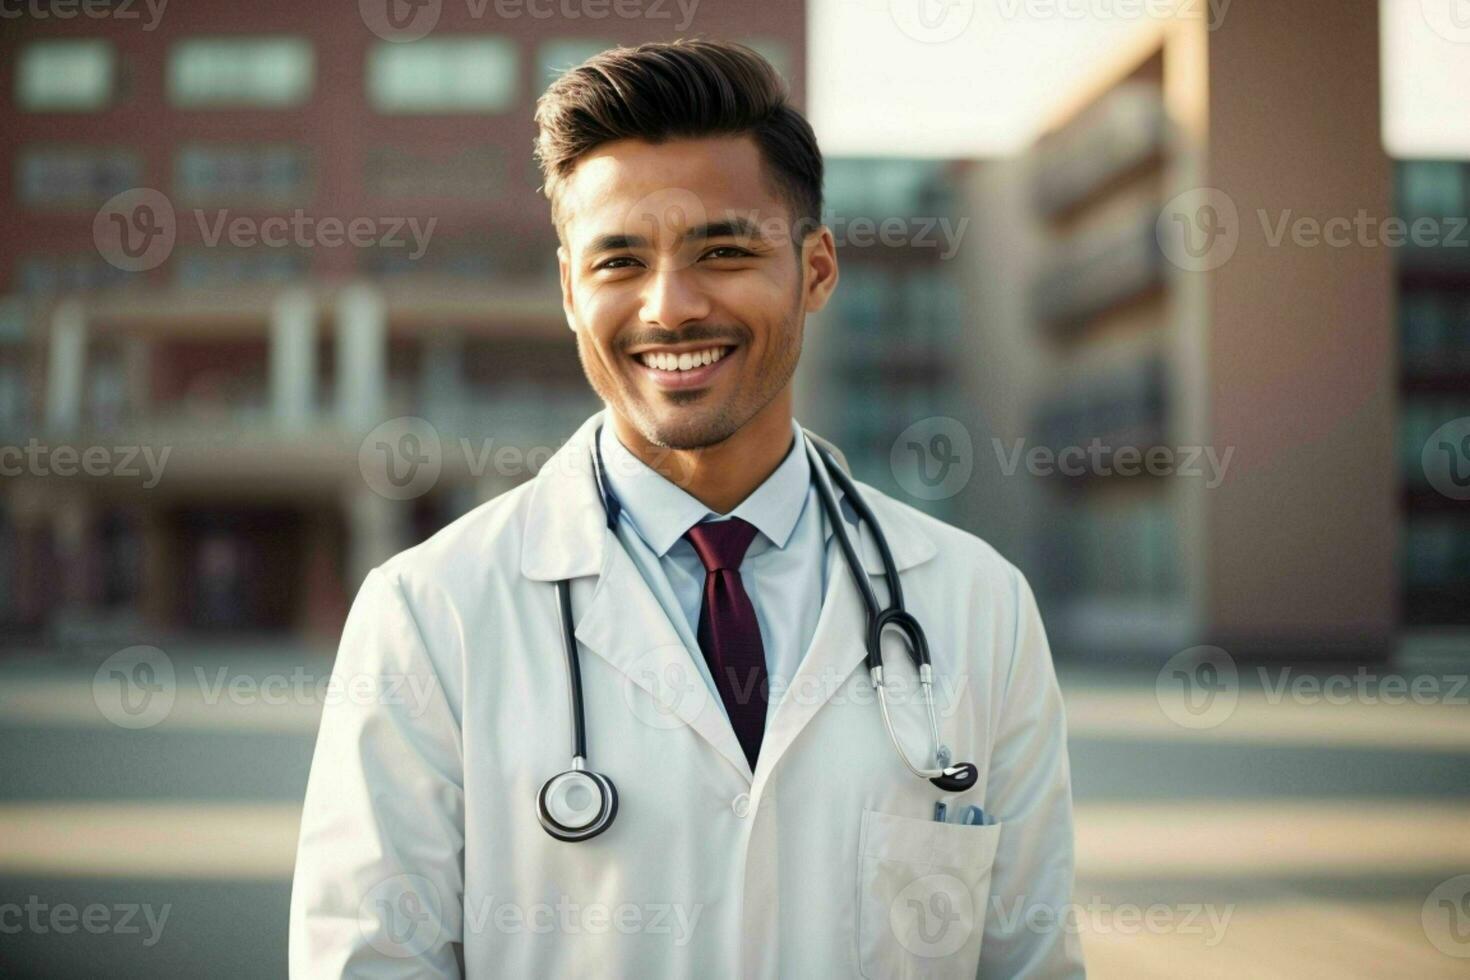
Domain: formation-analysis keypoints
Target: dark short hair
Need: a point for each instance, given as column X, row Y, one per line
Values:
column 680, row 89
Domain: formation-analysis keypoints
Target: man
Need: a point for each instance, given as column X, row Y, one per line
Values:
column 764, row 824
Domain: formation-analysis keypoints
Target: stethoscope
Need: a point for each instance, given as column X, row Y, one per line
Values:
column 581, row 803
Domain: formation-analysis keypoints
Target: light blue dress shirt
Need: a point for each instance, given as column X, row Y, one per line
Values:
column 784, row 571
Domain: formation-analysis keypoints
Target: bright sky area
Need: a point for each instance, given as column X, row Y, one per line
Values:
column 977, row 78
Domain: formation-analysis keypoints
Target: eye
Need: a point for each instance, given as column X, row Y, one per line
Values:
column 731, row 252
column 615, row 263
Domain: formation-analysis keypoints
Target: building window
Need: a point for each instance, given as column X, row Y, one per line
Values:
column 212, row 267
column 267, row 73
column 460, row 74
column 1434, row 189
column 56, row 176
column 65, row 76
column 12, row 398
column 241, row 174
column 50, row 274
column 556, row 56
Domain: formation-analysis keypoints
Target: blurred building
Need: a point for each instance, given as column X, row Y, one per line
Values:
column 879, row 362
column 1115, row 294
column 1135, row 292
column 1434, row 357
column 252, row 369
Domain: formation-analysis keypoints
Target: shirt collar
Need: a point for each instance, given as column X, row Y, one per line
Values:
column 662, row 512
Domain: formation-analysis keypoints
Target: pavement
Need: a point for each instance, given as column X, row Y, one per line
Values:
column 1317, row 827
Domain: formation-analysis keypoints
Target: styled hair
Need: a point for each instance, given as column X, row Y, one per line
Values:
column 680, row 89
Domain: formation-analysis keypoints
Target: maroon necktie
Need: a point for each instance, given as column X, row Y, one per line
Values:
column 729, row 635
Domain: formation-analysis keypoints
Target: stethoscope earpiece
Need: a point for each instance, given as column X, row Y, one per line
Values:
column 577, row 804
column 957, row 778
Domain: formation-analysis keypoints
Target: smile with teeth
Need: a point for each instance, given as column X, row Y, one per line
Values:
column 687, row 361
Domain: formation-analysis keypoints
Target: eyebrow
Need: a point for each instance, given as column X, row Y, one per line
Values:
column 737, row 227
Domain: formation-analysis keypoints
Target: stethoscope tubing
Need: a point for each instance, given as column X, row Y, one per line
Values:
column 952, row 778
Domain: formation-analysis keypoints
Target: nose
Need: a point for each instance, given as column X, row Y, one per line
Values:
column 672, row 297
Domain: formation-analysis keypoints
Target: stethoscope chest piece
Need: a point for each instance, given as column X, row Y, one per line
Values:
column 957, row 778
column 577, row 804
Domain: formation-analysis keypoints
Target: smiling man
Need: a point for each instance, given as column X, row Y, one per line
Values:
column 678, row 724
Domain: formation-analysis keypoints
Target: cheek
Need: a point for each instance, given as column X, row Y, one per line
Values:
column 601, row 311
column 763, row 306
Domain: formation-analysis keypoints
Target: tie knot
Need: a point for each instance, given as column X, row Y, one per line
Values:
column 721, row 544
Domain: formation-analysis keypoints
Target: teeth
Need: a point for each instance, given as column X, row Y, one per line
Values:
column 682, row 362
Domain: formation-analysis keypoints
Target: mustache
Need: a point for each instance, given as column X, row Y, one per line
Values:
column 699, row 333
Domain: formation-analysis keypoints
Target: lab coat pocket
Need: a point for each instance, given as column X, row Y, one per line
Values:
column 922, row 891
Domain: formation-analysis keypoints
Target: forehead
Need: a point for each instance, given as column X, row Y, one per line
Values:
column 620, row 184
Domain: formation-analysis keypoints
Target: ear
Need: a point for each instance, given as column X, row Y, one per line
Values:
column 818, row 268
column 564, row 270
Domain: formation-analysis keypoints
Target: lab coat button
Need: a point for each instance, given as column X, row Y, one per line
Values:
column 741, row 805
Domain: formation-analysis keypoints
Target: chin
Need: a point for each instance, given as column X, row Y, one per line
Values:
column 688, row 427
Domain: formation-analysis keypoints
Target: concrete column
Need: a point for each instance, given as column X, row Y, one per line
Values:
column 66, row 366
column 362, row 356
column 377, row 529
column 138, row 378
column 441, row 382
column 293, row 359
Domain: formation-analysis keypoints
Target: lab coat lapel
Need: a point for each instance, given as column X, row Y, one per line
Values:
column 663, row 687
column 567, row 537
column 836, row 649
column 838, row 645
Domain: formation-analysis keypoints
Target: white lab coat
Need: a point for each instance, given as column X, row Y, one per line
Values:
column 420, row 851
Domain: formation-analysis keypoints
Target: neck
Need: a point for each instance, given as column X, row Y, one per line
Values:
column 722, row 475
